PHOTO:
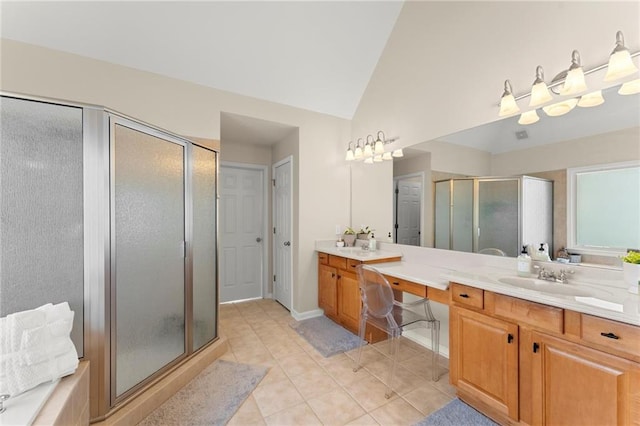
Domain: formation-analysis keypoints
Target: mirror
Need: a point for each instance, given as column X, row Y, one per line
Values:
column 603, row 134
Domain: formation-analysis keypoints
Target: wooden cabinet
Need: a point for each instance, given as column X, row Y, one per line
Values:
column 349, row 303
column 328, row 290
column 573, row 384
column 521, row 361
column 483, row 362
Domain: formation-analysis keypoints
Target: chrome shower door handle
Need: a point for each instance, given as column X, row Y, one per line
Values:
column 258, row 240
column 287, row 243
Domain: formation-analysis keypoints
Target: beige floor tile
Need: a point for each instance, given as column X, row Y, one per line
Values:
column 285, row 349
column 276, row 396
column 443, row 385
column 275, row 374
column 397, row 412
column 341, row 369
column 336, row 408
column 365, row 420
column 247, row 414
column 298, row 415
column 404, row 381
column 297, row 364
column 313, row 383
column 369, row 355
column 369, row 393
column 427, row 399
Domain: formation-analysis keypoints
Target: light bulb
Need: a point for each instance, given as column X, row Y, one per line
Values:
column 560, row 108
column 508, row 104
column 591, row 99
column 528, row 117
column 630, row 87
column 387, row 156
column 350, row 156
column 574, row 81
column 620, row 63
column 368, row 160
column 539, row 91
column 377, row 158
column 358, row 154
column 368, row 152
column 398, row 153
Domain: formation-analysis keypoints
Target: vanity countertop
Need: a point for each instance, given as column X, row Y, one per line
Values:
column 357, row 253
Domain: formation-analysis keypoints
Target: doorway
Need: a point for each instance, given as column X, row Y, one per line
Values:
column 242, row 231
column 282, row 232
column 407, row 212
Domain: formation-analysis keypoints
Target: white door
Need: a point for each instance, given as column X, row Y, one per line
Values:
column 241, row 233
column 282, row 233
column 408, row 202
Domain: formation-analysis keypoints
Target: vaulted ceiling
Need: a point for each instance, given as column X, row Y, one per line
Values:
column 315, row 55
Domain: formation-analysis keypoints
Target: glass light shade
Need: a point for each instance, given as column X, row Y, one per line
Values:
column 508, row 106
column 358, row 154
column 620, row 65
column 560, row 108
column 368, row 152
column 377, row 158
column 539, row 94
column 528, row 117
column 398, row 153
column 591, row 99
column 368, row 160
column 387, row 156
column 379, row 147
column 630, row 87
column 574, row 82
column 350, row 156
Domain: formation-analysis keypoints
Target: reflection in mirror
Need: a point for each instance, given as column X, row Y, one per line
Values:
column 608, row 133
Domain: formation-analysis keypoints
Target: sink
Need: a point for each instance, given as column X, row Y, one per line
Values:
column 545, row 286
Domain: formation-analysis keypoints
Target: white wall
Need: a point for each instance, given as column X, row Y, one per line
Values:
column 191, row 109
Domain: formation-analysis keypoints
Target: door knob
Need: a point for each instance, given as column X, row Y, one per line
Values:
column 258, row 239
column 287, row 243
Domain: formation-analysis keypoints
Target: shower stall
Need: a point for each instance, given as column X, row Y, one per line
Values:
column 119, row 218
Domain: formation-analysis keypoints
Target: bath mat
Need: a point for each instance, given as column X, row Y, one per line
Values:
column 211, row 398
column 326, row 336
column 456, row 413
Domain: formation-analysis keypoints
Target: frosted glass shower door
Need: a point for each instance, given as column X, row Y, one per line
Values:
column 462, row 215
column 204, row 246
column 498, row 206
column 148, row 255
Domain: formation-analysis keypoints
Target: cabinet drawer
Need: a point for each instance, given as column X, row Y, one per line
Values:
column 525, row 312
column 613, row 334
column 338, row 262
column 351, row 265
column 407, row 286
column 467, row 296
column 323, row 258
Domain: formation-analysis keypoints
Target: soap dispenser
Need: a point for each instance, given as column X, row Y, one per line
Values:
column 524, row 263
column 372, row 243
column 543, row 252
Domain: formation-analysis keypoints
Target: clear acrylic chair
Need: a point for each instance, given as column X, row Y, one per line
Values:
column 381, row 310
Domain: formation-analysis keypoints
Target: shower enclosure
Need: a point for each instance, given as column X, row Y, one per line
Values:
column 118, row 218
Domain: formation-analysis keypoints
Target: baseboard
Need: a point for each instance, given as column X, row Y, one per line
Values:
column 425, row 341
column 299, row 316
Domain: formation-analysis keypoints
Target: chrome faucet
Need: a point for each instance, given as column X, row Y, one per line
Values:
column 559, row 277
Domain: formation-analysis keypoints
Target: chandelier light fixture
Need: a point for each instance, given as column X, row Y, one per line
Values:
column 373, row 149
column 571, row 85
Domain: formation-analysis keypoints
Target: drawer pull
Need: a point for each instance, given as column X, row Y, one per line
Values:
column 395, row 283
column 333, row 275
column 610, row 335
column 465, row 295
column 509, row 338
column 535, row 347
column 353, row 265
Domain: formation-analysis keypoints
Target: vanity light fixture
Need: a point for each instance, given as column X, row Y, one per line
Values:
column 508, row 104
column 630, row 87
column 350, row 156
column 368, row 160
column 379, row 146
column 528, row 117
column 377, row 158
column 398, row 153
column 358, row 153
column 368, row 150
column 539, row 90
column 574, row 82
column 591, row 99
column 560, row 108
column 387, row 156
column 620, row 63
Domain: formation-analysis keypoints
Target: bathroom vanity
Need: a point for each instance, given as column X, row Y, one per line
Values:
column 531, row 352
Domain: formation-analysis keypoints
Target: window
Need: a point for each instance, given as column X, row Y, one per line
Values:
column 603, row 209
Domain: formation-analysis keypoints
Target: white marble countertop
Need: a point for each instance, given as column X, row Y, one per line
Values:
column 586, row 292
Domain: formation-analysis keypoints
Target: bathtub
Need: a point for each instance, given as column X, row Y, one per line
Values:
column 23, row 409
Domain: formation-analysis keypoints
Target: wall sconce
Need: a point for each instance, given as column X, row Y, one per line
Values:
column 372, row 151
column 571, row 82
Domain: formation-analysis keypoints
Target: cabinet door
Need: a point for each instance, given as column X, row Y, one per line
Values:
column 484, row 359
column 327, row 290
column 349, row 301
column 572, row 384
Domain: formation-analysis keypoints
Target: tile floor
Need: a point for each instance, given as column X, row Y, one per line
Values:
column 303, row 388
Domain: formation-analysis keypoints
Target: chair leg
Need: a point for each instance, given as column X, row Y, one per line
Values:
column 395, row 343
column 363, row 326
column 435, row 348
